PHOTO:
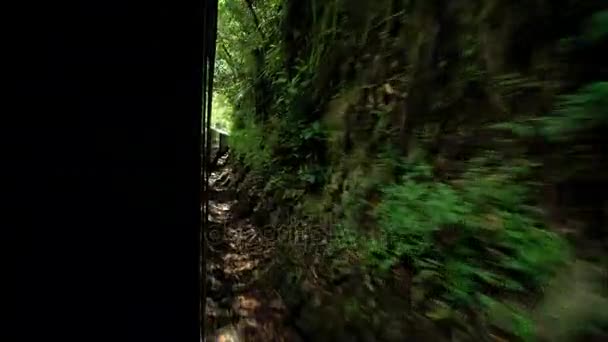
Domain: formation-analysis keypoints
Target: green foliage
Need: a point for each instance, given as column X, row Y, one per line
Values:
column 510, row 317
column 467, row 239
column 273, row 133
column 576, row 113
column 582, row 111
column 476, row 244
column 248, row 144
column 238, row 38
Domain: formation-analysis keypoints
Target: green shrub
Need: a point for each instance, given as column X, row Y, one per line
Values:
column 248, row 144
column 465, row 240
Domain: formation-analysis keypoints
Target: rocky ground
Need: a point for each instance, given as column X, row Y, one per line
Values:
column 238, row 307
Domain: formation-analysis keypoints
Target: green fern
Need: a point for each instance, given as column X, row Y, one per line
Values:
column 496, row 241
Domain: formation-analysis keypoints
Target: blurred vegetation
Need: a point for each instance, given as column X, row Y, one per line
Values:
column 451, row 155
column 222, row 113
